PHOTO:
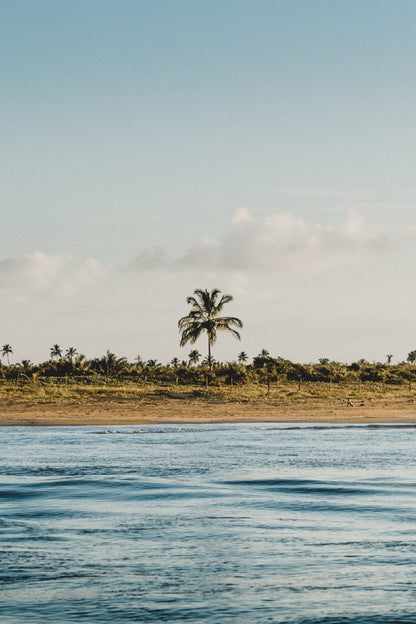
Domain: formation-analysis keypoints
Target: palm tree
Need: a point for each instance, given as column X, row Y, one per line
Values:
column 112, row 363
column 204, row 316
column 152, row 363
column 194, row 356
column 6, row 351
column 242, row 357
column 411, row 358
column 71, row 353
column 175, row 362
column 56, row 351
column 81, row 363
column 262, row 359
column 389, row 358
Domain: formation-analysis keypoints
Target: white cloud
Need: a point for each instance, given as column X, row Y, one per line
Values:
column 241, row 215
column 152, row 257
column 37, row 272
column 278, row 242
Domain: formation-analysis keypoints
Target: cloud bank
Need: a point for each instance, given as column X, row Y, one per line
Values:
column 59, row 274
column 274, row 243
column 279, row 242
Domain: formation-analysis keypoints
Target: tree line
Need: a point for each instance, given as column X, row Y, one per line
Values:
column 197, row 370
column 205, row 317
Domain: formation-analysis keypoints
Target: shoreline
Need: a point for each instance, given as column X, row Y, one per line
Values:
column 109, row 412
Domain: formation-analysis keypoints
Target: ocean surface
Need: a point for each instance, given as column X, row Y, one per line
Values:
column 252, row 523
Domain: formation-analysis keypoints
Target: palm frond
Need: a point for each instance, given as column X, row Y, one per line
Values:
column 191, row 334
column 224, row 299
column 230, row 320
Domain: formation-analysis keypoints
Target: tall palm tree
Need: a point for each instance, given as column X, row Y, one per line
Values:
column 6, row 351
column 204, row 317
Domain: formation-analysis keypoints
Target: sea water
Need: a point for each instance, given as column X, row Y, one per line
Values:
column 250, row 523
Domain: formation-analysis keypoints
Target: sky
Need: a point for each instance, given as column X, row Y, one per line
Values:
column 265, row 148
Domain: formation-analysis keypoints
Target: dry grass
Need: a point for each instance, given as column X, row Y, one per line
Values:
column 76, row 404
column 64, row 391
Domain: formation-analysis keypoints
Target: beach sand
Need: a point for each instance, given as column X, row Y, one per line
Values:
column 166, row 410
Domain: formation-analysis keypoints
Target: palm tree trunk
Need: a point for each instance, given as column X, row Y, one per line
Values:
column 209, row 354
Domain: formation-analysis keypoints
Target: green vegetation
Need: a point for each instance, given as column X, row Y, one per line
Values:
column 72, row 377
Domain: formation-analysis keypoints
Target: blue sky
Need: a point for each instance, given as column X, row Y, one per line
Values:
column 153, row 147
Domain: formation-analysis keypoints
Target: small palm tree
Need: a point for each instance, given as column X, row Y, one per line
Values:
column 111, row 364
column 55, row 351
column 152, row 363
column 194, row 356
column 71, row 352
column 206, row 361
column 6, row 351
column 175, row 362
column 81, row 363
column 242, row 357
column 204, row 317
column 411, row 358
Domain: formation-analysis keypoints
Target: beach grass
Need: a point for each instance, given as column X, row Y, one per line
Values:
column 61, row 390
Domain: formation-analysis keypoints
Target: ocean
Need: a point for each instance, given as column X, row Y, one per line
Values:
column 246, row 523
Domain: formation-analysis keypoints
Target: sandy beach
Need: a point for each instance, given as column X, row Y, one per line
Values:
column 167, row 410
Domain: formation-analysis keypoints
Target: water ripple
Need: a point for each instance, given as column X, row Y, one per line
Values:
column 244, row 524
